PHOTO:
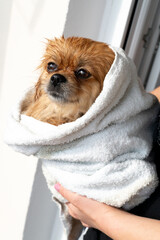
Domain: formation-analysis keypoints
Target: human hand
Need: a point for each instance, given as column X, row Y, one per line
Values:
column 115, row 223
column 156, row 92
column 88, row 211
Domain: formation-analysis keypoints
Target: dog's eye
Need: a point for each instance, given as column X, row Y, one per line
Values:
column 82, row 74
column 51, row 67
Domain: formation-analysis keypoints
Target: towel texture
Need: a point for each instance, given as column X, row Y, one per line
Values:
column 106, row 154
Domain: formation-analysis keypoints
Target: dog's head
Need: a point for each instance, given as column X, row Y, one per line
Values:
column 73, row 70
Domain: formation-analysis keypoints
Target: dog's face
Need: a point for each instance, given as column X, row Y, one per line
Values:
column 73, row 69
column 72, row 75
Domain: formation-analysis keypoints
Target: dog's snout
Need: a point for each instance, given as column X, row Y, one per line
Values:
column 57, row 79
column 57, row 87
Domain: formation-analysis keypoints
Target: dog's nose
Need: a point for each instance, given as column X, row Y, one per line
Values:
column 57, row 79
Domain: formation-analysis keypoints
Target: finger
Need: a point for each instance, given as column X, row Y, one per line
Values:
column 79, row 201
column 84, row 224
column 73, row 211
column 72, row 197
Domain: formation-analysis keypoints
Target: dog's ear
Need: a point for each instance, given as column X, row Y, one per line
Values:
column 38, row 91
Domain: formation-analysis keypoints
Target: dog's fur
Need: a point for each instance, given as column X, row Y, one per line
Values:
column 70, row 98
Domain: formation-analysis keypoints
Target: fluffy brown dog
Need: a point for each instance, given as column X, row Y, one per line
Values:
column 73, row 70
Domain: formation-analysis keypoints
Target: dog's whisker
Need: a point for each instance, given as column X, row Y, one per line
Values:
column 80, row 88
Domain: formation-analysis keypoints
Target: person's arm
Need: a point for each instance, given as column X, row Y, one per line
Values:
column 117, row 224
column 156, row 92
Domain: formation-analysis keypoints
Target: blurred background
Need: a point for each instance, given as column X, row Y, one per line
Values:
column 26, row 210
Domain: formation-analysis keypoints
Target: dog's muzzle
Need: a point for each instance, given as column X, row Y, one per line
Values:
column 57, row 80
column 57, row 87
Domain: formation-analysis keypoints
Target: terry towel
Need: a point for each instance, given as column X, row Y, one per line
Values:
column 106, row 154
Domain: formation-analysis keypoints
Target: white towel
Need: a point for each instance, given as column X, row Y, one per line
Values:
column 105, row 154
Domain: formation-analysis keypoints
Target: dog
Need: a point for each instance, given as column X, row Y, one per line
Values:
column 72, row 74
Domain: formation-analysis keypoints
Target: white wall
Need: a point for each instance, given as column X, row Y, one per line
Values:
column 5, row 15
column 102, row 20
column 24, row 25
column 84, row 18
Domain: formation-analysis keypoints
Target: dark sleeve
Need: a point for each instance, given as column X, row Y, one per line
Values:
column 94, row 234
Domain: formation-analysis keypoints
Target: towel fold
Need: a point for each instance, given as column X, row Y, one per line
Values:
column 106, row 154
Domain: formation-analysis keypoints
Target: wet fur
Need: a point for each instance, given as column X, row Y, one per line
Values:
column 70, row 54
